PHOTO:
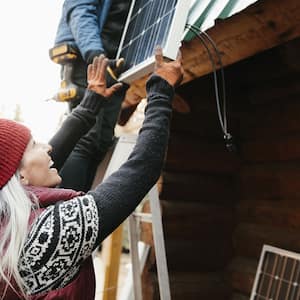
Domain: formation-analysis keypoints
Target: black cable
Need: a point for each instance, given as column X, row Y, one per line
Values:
column 221, row 70
column 214, row 74
column 223, row 119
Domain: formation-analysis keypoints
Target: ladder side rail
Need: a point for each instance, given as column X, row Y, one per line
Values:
column 159, row 245
column 134, row 254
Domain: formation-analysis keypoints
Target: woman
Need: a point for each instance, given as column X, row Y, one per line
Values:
column 53, row 254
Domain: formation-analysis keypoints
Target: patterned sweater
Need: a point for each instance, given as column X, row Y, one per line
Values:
column 66, row 233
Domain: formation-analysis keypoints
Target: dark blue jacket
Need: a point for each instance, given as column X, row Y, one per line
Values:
column 93, row 26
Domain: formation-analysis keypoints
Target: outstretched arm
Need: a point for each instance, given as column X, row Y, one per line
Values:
column 118, row 196
column 72, row 229
column 83, row 117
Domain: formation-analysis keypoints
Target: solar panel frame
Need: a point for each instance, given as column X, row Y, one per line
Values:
column 170, row 48
column 267, row 249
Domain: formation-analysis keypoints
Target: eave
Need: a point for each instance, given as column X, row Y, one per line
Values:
column 261, row 26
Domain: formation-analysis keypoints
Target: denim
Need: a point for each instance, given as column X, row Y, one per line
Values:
column 81, row 24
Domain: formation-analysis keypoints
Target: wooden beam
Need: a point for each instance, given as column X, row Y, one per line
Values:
column 261, row 26
column 111, row 248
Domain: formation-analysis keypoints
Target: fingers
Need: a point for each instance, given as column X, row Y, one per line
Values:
column 159, row 56
column 160, row 59
column 101, row 64
column 92, row 69
column 90, row 72
column 113, row 89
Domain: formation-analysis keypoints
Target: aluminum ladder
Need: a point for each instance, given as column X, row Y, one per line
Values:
column 139, row 250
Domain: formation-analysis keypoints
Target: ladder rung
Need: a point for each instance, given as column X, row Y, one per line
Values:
column 143, row 217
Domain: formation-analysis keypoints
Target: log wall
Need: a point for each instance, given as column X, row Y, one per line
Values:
column 219, row 208
column 198, row 199
column 268, row 206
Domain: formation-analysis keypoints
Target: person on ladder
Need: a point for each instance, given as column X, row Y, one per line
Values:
column 45, row 252
column 87, row 29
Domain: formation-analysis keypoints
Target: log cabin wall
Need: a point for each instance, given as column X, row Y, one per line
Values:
column 268, row 207
column 198, row 198
column 219, row 208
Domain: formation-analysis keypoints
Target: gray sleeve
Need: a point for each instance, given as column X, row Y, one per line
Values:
column 121, row 192
column 78, row 123
column 59, row 240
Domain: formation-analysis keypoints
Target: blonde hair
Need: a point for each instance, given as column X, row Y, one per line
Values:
column 15, row 209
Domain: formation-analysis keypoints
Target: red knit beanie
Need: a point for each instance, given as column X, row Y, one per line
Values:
column 14, row 137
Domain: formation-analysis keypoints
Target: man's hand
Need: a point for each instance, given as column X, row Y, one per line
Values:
column 170, row 71
column 96, row 77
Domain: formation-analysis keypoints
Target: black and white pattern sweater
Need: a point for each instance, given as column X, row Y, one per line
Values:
column 67, row 232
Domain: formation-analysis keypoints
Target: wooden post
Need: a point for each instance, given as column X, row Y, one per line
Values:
column 111, row 251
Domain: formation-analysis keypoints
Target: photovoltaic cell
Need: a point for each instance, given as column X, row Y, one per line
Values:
column 277, row 276
column 151, row 23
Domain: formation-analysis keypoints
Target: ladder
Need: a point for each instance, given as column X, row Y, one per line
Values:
column 139, row 250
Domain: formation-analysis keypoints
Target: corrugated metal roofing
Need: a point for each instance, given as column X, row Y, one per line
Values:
column 203, row 13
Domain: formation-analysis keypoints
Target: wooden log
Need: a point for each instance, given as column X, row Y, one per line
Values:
column 238, row 296
column 264, row 67
column 202, row 123
column 206, row 220
column 196, row 285
column 248, row 239
column 261, row 26
column 188, row 155
column 198, row 187
column 200, row 94
column 270, row 181
column 274, row 90
column 198, row 255
column 282, row 213
column 193, row 254
column 282, row 148
column 189, row 124
column 111, row 257
column 271, row 121
column 241, row 273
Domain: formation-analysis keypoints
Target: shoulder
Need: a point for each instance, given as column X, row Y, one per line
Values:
column 59, row 240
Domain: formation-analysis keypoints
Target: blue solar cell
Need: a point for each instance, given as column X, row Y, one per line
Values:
column 148, row 25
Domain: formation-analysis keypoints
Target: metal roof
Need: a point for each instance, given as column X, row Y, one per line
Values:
column 203, row 13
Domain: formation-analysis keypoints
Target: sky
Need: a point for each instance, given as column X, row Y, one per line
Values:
column 27, row 75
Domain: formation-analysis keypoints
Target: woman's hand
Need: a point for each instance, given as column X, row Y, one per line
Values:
column 96, row 77
column 170, row 71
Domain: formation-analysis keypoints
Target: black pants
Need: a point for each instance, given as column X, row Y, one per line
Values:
column 79, row 169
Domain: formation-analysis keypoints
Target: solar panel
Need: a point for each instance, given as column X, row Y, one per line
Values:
column 277, row 276
column 151, row 23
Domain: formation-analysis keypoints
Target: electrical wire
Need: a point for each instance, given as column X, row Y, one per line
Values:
column 222, row 119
